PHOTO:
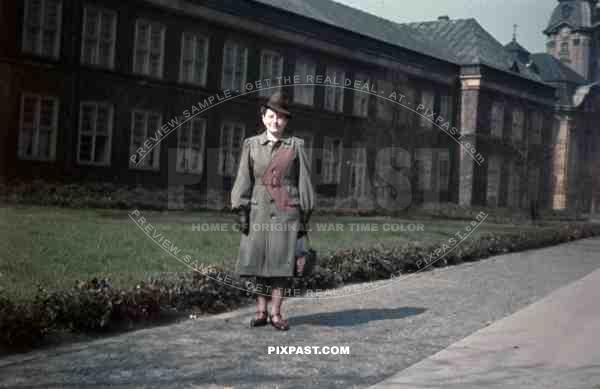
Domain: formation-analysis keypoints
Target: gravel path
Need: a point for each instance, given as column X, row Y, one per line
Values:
column 387, row 330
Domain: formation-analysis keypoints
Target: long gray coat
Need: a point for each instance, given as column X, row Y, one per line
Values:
column 274, row 180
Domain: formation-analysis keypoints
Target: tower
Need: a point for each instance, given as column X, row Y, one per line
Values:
column 573, row 33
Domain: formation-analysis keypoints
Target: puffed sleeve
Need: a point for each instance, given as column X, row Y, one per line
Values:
column 244, row 181
column 305, row 187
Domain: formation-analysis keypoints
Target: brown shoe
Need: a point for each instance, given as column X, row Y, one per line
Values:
column 280, row 324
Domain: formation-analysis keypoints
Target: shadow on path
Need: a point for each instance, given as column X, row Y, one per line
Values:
column 355, row 316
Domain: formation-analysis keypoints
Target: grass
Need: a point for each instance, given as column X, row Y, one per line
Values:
column 57, row 246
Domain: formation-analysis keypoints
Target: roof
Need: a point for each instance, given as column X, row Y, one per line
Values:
column 575, row 13
column 517, row 51
column 461, row 42
column 363, row 23
column 471, row 44
column 553, row 70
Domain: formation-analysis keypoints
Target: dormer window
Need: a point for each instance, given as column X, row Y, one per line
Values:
column 566, row 11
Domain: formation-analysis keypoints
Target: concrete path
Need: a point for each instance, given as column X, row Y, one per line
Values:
column 554, row 343
column 387, row 331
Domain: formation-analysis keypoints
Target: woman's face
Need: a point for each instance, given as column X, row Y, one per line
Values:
column 274, row 122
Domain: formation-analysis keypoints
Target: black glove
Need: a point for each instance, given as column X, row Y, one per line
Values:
column 303, row 229
column 244, row 217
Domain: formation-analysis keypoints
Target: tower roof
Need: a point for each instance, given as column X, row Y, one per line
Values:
column 577, row 14
column 517, row 51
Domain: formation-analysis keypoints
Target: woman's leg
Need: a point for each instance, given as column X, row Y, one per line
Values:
column 278, row 286
column 261, row 299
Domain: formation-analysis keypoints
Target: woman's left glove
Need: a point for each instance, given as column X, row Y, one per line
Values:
column 244, row 217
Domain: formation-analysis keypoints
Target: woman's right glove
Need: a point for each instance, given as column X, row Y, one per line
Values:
column 244, row 218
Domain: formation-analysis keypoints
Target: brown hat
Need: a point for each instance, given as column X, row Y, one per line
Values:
column 278, row 102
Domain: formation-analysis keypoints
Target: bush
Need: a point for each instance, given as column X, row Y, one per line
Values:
column 97, row 306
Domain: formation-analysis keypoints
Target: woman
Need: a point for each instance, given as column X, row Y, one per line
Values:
column 274, row 197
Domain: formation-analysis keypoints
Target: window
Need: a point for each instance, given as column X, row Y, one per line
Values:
column 564, row 51
column 536, row 128
column 514, row 187
column 41, row 27
column 358, row 180
column 95, row 133
column 234, row 67
column 190, row 145
column 446, row 109
column 576, row 42
column 361, row 96
column 194, row 54
column 308, row 145
column 427, row 100
column 38, row 127
column 148, row 49
column 385, row 108
column 144, row 124
column 408, row 102
column 424, row 163
column 232, row 136
column 517, row 124
column 305, row 94
column 444, row 170
column 334, row 95
column 497, row 119
column 332, row 160
column 493, row 180
column 99, row 37
column 271, row 67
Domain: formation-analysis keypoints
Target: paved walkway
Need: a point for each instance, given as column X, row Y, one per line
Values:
column 553, row 343
column 387, row 331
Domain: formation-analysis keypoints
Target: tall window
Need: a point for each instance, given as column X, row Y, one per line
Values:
column 306, row 69
column 190, row 145
column 332, row 160
column 358, row 182
column 194, row 55
column 95, row 132
column 38, row 127
column 444, row 170
column 148, row 49
column 518, row 119
column 334, row 94
column 385, row 108
column 514, row 185
column 41, row 27
column 232, row 136
column 537, row 120
column 234, row 67
column 564, row 51
column 271, row 67
column 308, row 146
column 427, row 100
column 424, row 164
column 446, row 108
column 493, row 180
column 99, row 37
column 497, row 119
column 144, row 124
column 361, row 96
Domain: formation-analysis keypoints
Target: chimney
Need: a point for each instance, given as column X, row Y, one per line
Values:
column 444, row 18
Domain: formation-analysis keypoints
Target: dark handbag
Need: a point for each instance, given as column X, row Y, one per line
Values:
column 310, row 261
column 244, row 219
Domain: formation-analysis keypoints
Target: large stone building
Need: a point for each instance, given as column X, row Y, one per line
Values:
column 86, row 84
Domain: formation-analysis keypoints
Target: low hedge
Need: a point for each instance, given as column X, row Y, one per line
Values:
column 108, row 195
column 96, row 306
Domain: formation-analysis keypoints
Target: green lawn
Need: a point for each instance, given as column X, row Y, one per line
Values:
column 57, row 246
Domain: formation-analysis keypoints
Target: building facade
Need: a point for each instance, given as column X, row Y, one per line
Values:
column 86, row 84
